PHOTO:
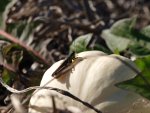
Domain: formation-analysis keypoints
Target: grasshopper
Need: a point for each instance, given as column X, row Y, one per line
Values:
column 67, row 64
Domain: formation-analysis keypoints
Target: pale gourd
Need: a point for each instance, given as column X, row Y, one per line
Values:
column 92, row 80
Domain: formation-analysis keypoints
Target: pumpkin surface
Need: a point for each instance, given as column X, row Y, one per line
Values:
column 92, row 80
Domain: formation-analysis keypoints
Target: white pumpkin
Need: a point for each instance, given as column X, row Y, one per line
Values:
column 92, row 80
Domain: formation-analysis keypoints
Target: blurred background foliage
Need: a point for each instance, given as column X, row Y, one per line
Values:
column 36, row 33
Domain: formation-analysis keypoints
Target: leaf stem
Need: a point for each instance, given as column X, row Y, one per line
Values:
column 15, row 40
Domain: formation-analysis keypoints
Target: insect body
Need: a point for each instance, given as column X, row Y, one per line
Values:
column 66, row 65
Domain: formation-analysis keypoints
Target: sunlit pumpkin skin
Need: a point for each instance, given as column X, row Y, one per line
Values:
column 92, row 80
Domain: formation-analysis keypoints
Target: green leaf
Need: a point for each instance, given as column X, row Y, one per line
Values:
column 115, row 42
column 145, row 36
column 120, row 36
column 101, row 48
column 141, row 83
column 146, row 31
column 80, row 44
column 123, row 27
column 139, row 35
column 139, row 50
column 8, row 76
column 13, row 54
